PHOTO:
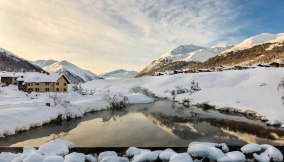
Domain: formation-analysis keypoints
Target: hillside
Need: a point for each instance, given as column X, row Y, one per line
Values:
column 262, row 48
column 180, row 57
column 11, row 62
column 74, row 73
column 117, row 74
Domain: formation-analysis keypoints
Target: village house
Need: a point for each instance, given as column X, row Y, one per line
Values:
column 43, row 83
column 10, row 77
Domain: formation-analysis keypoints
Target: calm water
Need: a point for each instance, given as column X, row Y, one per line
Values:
column 162, row 123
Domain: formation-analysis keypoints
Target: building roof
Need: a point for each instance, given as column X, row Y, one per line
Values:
column 41, row 78
column 11, row 74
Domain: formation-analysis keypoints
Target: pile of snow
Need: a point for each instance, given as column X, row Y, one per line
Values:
column 196, row 150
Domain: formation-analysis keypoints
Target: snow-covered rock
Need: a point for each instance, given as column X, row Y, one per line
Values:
column 75, row 157
column 272, row 152
column 7, row 156
column 182, row 157
column 56, row 147
column 263, row 157
column 235, row 156
column 147, row 156
column 250, row 148
column 166, row 154
column 204, row 150
column 33, row 157
column 91, row 158
column 274, row 122
column 53, row 158
column 114, row 159
column 106, row 154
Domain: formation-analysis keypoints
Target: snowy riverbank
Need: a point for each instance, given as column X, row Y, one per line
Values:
column 59, row 151
column 20, row 111
column 253, row 89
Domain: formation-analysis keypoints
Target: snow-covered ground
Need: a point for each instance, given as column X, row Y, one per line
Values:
column 21, row 111
column 253, row 89
column 59, row 151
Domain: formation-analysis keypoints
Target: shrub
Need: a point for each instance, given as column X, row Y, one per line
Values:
column 144, row 91
column 117, row 101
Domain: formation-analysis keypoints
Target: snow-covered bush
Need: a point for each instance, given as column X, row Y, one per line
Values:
column 117, row 101
column 56, row 99
column 194, row 87
column 144, row 91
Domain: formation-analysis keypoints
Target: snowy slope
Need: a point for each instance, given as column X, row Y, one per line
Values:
column 12, row 62
column 121, row 73
column 43, row 63
column 257, row 40
column 186, row 53
column 71, row 71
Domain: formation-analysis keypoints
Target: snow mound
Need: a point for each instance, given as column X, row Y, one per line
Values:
column 272, row 152
column 251, row 148
column 147, row 156
column 114, row 159
column 55, row 147
column 7, row 156
column 33, row 157
column 75, row 157
column 91, row 158
column 106, row 154
column 167, row 154
column 205, row 150
column 263, row 157
column 274, row 122
column 235, row 156
column 183, row 157
column 54, row 158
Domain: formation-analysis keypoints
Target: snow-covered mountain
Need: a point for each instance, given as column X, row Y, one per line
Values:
column 256, row 40
column 11, row 62
column 184, row 53
column 117, row 74
column 71, row 71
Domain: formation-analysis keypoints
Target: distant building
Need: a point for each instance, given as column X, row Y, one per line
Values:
column 43, row 83
column 10, row 77
column 277, row 64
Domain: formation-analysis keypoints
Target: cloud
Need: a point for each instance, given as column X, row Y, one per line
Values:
column 103, row 35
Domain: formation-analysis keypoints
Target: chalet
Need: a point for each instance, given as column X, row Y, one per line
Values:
column 178, row 71
column 263, row 65
column 158, row 73
column 10, row 77
column 40, row 82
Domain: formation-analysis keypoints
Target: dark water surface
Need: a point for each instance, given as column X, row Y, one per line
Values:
column 159, row 124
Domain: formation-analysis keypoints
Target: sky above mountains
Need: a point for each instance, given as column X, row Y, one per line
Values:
column 103, row 35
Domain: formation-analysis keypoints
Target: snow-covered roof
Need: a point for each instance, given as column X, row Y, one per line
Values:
column 11, row 74
column 40, row 77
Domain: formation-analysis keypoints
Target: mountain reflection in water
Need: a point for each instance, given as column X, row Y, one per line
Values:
column 163, row 123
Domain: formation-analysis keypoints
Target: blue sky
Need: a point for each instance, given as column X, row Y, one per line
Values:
column 104, row 35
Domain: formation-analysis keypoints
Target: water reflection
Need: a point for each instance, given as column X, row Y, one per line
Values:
column 162, row 123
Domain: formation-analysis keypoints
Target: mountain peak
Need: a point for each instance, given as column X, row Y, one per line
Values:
column 119, row 73
column 184, row 49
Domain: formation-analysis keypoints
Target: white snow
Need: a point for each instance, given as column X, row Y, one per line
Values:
column 146, row 156
column 252, row 41
column 235, row 156
column 272, row 152
column 75, row 157
column 33, row 157
column 118, row 74
column 235, row 88
column 53, row 158
column 107, row 154
column 182, row 157
column 167, row 154
column 199, row 149
column 114, row 159
column 263, row 157
column 274, row 122
column 55, row 147
column 250, row 148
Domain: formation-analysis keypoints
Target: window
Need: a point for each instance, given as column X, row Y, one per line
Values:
column 37, row 89
column 64, row 89
column 57, row 89
column 47, row 89
column 65, row 84
column 30, row 89
column 46, row 83
column 37, row 83
column 57, row 83
column 30, row 84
